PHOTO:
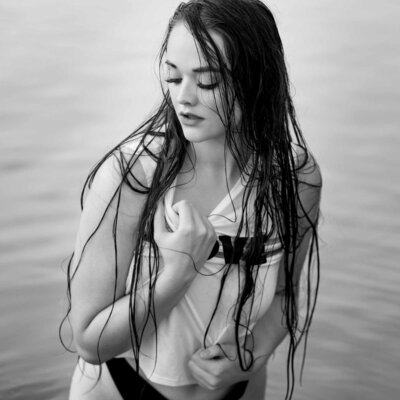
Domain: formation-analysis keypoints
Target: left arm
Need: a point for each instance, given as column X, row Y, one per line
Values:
column 210, row 367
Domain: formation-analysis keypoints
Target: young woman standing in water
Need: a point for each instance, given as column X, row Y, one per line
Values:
column 195, row 229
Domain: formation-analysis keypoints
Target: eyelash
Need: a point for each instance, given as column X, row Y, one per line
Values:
column 200, row 85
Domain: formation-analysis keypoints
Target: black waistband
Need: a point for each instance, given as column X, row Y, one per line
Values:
column 132, row 386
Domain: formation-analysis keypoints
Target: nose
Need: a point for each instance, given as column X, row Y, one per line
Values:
column 187, row 94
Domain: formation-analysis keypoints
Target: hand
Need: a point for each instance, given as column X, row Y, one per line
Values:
column 214, row 369
column 185, row 250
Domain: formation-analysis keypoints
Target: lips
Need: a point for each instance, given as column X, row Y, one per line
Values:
column 190, row 116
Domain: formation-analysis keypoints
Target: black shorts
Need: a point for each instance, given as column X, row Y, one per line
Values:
column 132, row 386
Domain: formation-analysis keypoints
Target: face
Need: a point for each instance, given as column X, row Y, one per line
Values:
column 194, row 87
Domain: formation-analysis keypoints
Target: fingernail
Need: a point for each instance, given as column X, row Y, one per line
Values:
column 204, row 353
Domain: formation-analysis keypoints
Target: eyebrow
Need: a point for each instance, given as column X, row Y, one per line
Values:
column 197, row 70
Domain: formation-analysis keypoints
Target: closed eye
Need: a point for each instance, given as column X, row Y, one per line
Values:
column 208, row 86
column 173, row 80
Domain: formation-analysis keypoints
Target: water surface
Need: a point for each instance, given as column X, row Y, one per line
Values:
column 75, row 77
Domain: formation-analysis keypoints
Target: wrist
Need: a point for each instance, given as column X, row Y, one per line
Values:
column 171, row 286
column 179, row 274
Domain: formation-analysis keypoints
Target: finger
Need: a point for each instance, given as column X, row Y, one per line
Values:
column 186, row 214
column 208, row 224
column 214, row 245
column 202, row 377
column 212, row 352
column 211, row 366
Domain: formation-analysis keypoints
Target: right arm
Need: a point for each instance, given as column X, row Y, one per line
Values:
column 100, row 308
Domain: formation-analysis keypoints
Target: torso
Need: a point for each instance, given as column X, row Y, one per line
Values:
column 207, row 192
column 209, row 197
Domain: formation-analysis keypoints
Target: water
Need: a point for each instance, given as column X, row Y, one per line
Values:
column 75, row 77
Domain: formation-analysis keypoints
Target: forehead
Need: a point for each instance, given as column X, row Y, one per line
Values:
column 182, row 49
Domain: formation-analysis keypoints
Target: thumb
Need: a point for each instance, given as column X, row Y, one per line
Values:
column 211, row 352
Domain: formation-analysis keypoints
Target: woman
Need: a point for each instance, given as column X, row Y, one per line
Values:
column 194, row 229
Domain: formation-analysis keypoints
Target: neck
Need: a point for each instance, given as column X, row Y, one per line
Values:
column 212, row 158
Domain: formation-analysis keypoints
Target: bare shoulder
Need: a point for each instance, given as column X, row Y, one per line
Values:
column 308, row 170
column 121, row 181
column 309, row 183
column 116, row 185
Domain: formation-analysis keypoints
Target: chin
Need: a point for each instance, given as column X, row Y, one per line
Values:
column 199, row 136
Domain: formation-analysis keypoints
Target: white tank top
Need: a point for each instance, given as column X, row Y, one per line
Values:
column 181, row 333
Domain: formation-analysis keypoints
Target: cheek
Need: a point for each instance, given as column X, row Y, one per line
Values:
column 215, row 106
column 212, row 101
column 172, row 95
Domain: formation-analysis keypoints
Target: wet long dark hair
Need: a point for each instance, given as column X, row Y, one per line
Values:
column 253, row 77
